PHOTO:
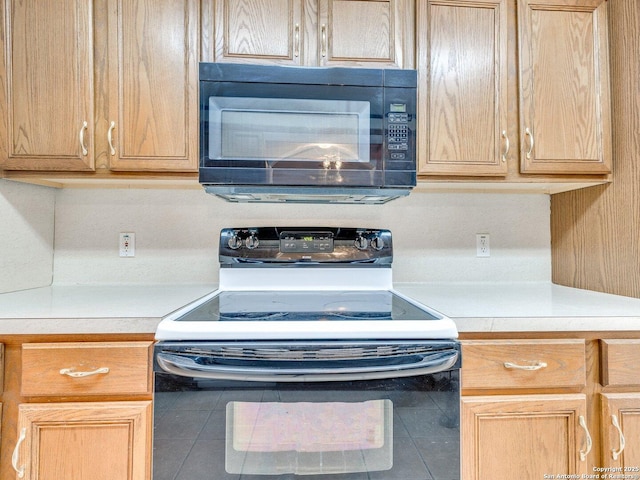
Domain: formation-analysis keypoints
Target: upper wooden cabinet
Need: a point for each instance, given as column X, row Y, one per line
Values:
column 46, row 85
column 102, row 85
column 310, row 32
column 462, row 63
column 565, row 120
column 471, row 75
column 149, row 120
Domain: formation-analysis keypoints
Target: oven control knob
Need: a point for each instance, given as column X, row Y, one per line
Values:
column 377, row 243
column 252, row 241
column 235, row 242
column 361, row 243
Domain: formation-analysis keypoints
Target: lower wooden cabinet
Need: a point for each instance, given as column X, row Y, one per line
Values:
column 84, row 441
column 76, row 407
column 620, row 405
column 621, row 432
column 523, row 436
column 535, row 408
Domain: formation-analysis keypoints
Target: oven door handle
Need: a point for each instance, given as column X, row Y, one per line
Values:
column 187, row 366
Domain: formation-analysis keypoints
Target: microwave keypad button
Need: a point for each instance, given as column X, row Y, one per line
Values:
column 398, row 117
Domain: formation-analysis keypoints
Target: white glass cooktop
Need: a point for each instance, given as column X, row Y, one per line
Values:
column 305, row 315
column 306, row 307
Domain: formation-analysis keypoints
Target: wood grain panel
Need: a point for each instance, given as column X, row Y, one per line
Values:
column 128, row 365
column 595, row 232
column 561, row 363
column 49, row 72
column 97, row 440
column 463, row 87
column 565, row 102
column 256, row 31
column 524, row 436
column 620, row 362
column 373, row 40
column 626, row 408
column 153, row 85
column 378, row 34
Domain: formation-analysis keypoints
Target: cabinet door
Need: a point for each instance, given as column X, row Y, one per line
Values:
column 624, row 431
column 462, row 68
column 254, row 31
column 151, row 123
column 46, row 85
column 97, row 441
column 379, row 34
column 564, row 82
column 527, row 436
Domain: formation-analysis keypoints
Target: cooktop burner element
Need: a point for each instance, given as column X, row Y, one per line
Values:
column 305, row 283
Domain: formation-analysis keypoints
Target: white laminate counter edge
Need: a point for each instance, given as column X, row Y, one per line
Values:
column 475, row 307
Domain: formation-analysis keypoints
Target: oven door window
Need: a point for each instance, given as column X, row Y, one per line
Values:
column 329, row 132
column 309, row 438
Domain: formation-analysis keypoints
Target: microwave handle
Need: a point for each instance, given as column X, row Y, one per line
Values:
column 187, row 366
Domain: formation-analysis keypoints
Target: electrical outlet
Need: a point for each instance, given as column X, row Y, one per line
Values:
column 483, row 248
column 127, row 244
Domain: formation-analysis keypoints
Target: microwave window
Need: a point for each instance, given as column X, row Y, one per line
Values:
column 271, row 129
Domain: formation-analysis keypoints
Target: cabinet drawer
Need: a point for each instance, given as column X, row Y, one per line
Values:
column 507, row 364
column 86, row 368
column 620, row 362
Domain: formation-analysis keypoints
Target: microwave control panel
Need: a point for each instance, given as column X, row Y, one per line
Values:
column 398, row 131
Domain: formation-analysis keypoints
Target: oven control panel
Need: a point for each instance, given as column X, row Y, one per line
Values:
column 309, row 246
column 309, row 242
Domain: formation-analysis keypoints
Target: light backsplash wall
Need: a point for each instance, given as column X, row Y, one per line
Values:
column 26, row 236
column 177, row 234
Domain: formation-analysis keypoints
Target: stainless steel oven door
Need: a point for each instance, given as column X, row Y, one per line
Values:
column 396, row 426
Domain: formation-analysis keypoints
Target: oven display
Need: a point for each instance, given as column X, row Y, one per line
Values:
column 306, row 242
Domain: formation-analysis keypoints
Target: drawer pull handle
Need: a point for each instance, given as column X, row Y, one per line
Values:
column 70, row 372
column 16, row 451
column 584, row 453
column 515, row 366
column 616, row 453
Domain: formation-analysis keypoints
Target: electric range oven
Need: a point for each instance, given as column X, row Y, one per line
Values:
column 306, row 363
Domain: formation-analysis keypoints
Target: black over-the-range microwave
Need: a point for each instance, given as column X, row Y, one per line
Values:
column 307, row 134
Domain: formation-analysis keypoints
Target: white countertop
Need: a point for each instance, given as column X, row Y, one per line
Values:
column 475, row 307
column 526, row 307
column 72, row 309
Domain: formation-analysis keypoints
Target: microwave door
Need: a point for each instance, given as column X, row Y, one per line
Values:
column 279, row 132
